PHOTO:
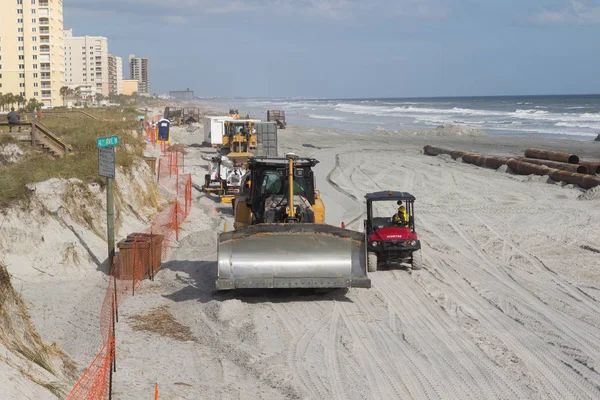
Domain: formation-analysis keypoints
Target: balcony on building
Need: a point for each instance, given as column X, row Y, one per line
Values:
column 46, row 86
column 43, row 4
column 44, row 30
column 45, row 76
column 44, row 49
column 44, row 22
column 46, row 94
column 44, row 39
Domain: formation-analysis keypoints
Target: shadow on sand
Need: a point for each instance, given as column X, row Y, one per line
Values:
column 200, row 285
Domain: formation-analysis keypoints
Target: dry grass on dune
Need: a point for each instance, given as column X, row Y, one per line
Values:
column 79, row 131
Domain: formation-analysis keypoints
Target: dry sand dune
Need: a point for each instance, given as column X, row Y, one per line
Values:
column 506, row 305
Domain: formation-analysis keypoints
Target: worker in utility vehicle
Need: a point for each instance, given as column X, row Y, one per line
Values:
column 400, row 218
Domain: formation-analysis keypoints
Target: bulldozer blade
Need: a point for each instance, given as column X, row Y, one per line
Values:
column 301, row 255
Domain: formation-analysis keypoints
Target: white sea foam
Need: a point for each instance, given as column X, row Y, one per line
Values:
column 331, row 117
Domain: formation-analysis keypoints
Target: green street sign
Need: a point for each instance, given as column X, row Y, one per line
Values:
column 107, row 141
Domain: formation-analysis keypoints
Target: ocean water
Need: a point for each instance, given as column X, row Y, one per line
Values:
column 573, row 117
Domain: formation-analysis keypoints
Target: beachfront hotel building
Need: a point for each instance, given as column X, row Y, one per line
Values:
column 130, row 86
column 139, row 71
column 115, row 75
column 86, row 63
column 32, row 49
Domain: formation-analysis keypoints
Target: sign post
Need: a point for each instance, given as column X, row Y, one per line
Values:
column 106, row 168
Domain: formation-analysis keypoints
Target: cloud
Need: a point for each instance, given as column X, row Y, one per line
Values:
column 174, row 19
column 333, row 9
column 583, row 12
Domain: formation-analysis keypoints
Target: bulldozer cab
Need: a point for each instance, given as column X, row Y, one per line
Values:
column 270, row 178
column 382, row 207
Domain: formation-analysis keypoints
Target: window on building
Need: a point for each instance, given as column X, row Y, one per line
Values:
column 34, row 20
column 33, row 11
column 22, row 84
column 35, row 75
column 34, row 39
column 33, row 30
column 21, row 57
column 19, row 11
column 21, row 76
column 35, row 57
column 19, row 20
column 20, row 38
column 34, row 48
column 19, row 2
column 34, row 66
column 22, row 94
column 35, row 84
column 21, row 66
column 36, row 94
column 0, row 85
column 19, row 30
column 32, row 1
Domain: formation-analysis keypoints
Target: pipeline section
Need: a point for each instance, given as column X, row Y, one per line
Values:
column 559, row 171
column 552, row 156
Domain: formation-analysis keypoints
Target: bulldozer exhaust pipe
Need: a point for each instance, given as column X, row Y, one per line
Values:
column 291, row 212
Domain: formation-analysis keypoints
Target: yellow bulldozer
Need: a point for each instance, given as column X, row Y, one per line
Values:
column 281, row 239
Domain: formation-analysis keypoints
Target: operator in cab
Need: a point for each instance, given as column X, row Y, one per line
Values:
column 400, row 218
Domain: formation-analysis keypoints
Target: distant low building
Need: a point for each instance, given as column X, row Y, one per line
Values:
column 182, row 94
column 130, row 86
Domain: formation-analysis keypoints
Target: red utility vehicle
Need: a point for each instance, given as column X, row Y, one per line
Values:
column 390, row 243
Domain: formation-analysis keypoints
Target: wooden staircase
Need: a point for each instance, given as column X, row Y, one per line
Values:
column 39, row 135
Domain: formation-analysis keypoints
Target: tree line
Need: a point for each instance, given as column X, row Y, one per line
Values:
column 9, row 100
column 76, row 94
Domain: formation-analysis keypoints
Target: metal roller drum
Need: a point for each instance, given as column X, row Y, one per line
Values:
column 291, row 256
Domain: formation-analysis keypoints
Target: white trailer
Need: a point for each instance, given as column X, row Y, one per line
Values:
column 214, row 128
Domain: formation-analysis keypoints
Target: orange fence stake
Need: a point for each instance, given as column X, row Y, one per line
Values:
column 156, row 391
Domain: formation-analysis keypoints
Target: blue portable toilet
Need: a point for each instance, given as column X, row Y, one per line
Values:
column 164, row 127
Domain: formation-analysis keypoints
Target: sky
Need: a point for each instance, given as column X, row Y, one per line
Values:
column 353, row 48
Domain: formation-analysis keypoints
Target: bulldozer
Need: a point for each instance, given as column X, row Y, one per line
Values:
column 281, row 239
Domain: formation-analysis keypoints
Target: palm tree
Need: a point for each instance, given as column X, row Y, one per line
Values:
column 98, row 97
column 64, row 92
column 21, row 100
column 2, row 102
column 77, row 92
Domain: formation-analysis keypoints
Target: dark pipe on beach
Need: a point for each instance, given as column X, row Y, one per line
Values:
column 592, row 166
column 436, row 151
column 552, row 155
column 582, row 169
column 525, row 168
column 585, row 181
column 484, row 161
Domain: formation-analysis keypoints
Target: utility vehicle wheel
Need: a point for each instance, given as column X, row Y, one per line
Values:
column 417, row 260
column 206, row 181
column 233, row 205
column 371, row 262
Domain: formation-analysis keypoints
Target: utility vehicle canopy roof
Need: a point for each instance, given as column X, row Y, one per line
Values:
column 389, row 195
column 281, row 162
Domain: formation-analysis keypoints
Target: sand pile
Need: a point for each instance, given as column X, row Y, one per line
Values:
column 28, row 367
column 442, row 130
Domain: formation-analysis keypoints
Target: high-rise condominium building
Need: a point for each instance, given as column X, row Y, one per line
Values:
column 86, row 63
column 32, row 49
column 139, row 70
column 115, row 75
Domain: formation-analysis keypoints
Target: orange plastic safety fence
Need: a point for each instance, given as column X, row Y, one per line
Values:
column 139, row 256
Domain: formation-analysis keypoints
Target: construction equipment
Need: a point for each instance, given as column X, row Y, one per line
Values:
column 239, row 139
column 277, row 116
column 392, row 241
column 182, row 115
column 224, row 178
column 280, row 238
column 234, row 113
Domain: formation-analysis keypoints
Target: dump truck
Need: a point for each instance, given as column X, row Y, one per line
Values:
column 281, row 239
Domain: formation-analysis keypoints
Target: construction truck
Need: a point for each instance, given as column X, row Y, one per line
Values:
column 223, row 178
column 281, row 239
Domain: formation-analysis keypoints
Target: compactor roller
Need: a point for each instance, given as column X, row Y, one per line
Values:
column 280, row 238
